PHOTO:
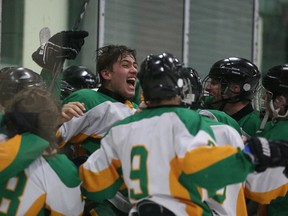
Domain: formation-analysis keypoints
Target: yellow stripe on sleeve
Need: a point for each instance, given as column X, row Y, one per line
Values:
column 79, row 138
column 267, row 197
column 203, row 157
column 37, row 206
column 9, row 150
column 97, row 181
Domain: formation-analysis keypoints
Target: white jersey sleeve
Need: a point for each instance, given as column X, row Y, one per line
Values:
column 266, row 186
column 96, row 122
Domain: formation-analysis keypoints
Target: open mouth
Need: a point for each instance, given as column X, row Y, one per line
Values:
column 131, row 81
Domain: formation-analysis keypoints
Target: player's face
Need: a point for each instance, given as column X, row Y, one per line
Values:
column 213, row 90
column 123, row 76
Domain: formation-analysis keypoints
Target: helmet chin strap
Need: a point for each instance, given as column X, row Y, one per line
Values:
column 264, row 121
column 224, row 101
column 275, row 112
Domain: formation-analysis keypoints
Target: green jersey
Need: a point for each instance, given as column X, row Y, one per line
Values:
column 221, row 116
column 248, row 119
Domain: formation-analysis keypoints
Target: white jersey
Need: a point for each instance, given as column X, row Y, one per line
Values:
column 229, row 201
column 166, row 157
column 39, row 186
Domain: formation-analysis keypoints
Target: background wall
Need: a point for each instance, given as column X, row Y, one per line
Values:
column 216, row 29
column 39, row 14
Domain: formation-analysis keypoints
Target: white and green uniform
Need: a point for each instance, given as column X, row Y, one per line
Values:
column 103, row 109
column 167, row 155
column 271, row 186
column 30, row 186
column 102, row 112
column 229, row 200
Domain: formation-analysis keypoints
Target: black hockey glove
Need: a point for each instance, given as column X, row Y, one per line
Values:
column 266, row 153
column 61, row 46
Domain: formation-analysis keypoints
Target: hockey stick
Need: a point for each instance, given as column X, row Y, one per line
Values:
column 59, row 67
column 44, row 36
column 81, row 15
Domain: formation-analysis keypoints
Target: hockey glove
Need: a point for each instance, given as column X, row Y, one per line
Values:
column 266, row 153
column 61, row 46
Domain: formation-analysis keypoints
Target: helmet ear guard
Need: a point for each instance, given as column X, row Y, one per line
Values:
column 246, row 87
column 191, row 92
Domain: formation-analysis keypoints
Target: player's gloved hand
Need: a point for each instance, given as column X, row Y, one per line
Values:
column 264, row 153
column 63, row 45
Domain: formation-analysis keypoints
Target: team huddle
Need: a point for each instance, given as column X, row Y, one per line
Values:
column 139, row 141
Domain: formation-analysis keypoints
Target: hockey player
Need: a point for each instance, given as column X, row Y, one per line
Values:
column 270, row 187
column 229, row 200
column 117, row 68
column 192, row 88
column 49, row 183
column 166, row 154
column 231, row 86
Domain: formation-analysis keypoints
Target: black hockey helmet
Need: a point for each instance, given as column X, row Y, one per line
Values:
column 14, row 79
column 80, row 77
column 238, row 71
column 159, row 76
column 192, row 87
column 66, row 89
column 275, row 80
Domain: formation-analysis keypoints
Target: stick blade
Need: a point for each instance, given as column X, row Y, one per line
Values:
column 44, row 35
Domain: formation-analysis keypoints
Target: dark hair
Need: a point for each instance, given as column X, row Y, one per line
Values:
column 34, row 110
column 108, row 55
